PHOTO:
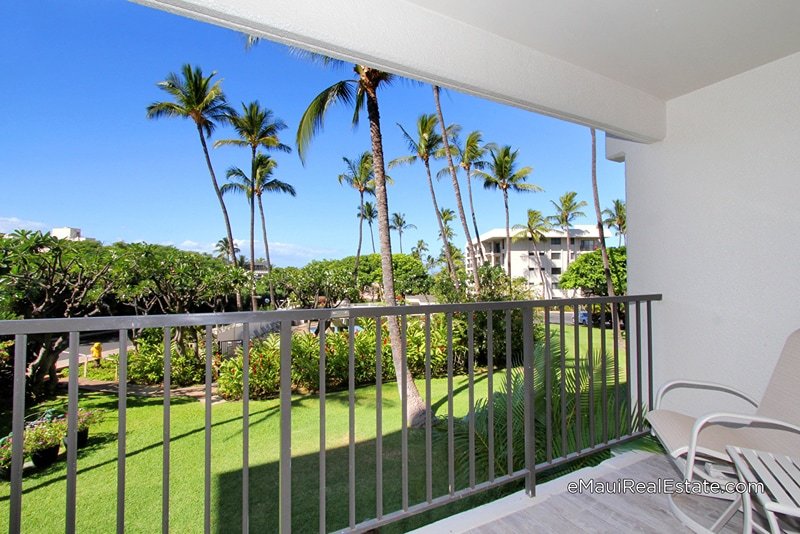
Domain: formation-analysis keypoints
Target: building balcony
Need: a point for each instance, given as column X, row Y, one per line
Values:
column 506, row 394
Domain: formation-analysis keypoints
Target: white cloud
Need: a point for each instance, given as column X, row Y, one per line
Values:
column 9, row 224
column 281, row 253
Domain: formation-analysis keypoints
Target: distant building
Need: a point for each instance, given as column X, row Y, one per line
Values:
column 66, row 232
column 550, row 255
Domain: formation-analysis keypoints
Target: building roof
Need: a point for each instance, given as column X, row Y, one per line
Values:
column 579, row 230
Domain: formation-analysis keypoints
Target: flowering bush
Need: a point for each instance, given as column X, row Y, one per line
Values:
column 5, row 452
column 146, row 363
column 42, row 435
column 87, row 418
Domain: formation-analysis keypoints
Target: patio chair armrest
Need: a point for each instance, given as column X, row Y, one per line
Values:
column 726, row 417
column 698, row 384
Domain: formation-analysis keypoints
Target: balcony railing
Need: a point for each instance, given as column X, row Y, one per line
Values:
column 577, row 395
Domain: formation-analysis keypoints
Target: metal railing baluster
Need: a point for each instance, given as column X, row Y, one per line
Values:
column 590, row 365
column 639, row 363
column 166, row 437
column 577, row 355
column 246, row 344
column 351, row 435
column 428, row 414
column 604, row 365
column 471, row 391
column 548, row 387
column 323, row 484
column 122, row 423
column 509, row 399
column 490, row 389
column 628, row 389
column 530, row 416
column 285, row 467
column 17, row 431
column 72, row 431
column 563, row 381
column 209, row 378
column 451, row 466
column 378, row 419
column 650, row 391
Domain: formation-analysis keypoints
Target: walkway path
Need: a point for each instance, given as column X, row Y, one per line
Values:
column 196, row 392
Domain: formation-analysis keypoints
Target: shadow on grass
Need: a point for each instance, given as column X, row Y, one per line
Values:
column 264, row 488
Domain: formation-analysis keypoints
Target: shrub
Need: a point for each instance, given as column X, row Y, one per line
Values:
column 265, row 358
column 87, row 418
column 5, row 452
column 146, row 363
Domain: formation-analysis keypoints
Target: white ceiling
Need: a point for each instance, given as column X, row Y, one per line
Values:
column 663, row 47
column 611, row 64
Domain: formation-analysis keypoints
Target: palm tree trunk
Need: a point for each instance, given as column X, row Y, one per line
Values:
column 468, row 171
column 451, row 267
column 360, row 236
column 231, row 245
column 566, row 231
column 415, row 405
column 603, row 251
column 541, row 270
column 457, row 190
column 508, row 240
column 372, row 237
column 400, row 239
column 252, row 194
column 272, row 303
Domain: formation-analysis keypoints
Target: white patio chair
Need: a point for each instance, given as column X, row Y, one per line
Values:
column 697, row 444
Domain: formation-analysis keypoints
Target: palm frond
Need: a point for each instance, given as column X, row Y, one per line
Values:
column 313, row 118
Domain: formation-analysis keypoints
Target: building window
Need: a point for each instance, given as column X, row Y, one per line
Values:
column 587, row 244
column 555, row 270
column 555, row 285
column 555, row 241
column 555, row 255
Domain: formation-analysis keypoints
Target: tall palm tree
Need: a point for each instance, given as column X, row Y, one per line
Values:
column 256, row 127
column 470, row 155
column 360, row 91
column 265, row 166
column 503, row 175
column 567, row 210
column 400, row 225
column 457, row 189
column 195, row 97
column 423, row 148
column 616, row 219
column 223, row 250
column 599, row 214
column 361, row 177
column 447, row 216
column 369, row 213
column 534, row 229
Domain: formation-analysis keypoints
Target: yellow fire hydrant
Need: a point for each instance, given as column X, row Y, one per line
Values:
column 97, row 353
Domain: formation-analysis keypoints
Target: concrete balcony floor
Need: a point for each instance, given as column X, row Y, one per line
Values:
column 556, row 510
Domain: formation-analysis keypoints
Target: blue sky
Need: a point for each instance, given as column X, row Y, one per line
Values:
column 77, row 150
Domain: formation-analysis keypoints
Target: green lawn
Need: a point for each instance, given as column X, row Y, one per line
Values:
column 44, row 491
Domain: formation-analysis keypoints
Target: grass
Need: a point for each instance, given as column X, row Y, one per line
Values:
column 44, row 491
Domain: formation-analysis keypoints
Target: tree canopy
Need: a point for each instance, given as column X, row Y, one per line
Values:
column 586, row 273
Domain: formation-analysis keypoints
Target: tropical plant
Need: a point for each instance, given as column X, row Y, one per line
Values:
column 457, row 190
column 197, row 98
column 400, row 225
column 6, row 442
column 361, row 177
column 567, row 210
column 420, row 249
column 534, row 229
column 361, row 91
column 253, row 189
column 503, row 175
column 551, row 405
column 423, row 148
column 369, row 213
column 87, row 418
column 616, row 219
column 587, row 273
column 223, row 249
column 257, row 127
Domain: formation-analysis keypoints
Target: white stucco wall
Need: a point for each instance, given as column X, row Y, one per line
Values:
column 714, row 213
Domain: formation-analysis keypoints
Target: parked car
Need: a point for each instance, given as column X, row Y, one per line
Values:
column 583, row 317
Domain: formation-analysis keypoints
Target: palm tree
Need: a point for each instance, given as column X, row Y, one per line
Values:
column 616, row 219
column 447, row 216
column 265, row 166
column 420, row 249
column 369, row 213
column 470, row 155
column 503, row 175
column 360, row 176
column 599, row 214
column 358, row 92
column 534, row 229
column 567, row 210
column 257, row 127
column 400, row 225
column 457, row 189
column 196, row 98
column 223, row 250
column 423, row 148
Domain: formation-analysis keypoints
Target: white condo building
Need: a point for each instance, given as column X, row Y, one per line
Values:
column 549, row 255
